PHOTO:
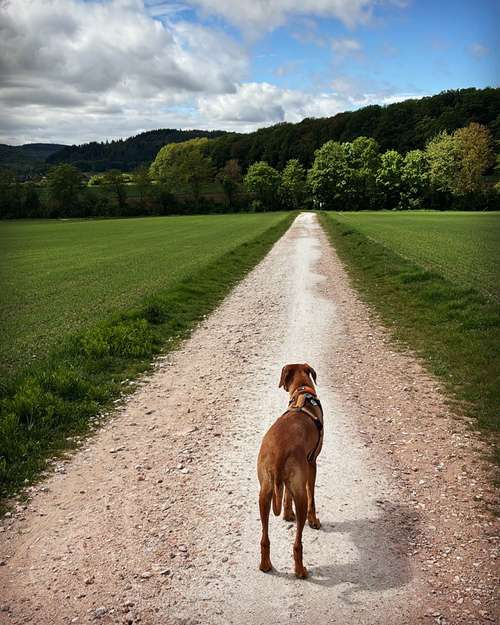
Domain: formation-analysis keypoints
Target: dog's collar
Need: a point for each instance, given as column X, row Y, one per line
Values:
column 301, row 394
column 304, row 394
column 309, row 390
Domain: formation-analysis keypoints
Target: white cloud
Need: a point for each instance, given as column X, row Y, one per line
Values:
column 255, row 16
column 78, row 60
column 83, row 70
column 259, row 104
column 478, row 50
column 255, row 104
column 356, row 93
column 346, row 47
column 286, row 69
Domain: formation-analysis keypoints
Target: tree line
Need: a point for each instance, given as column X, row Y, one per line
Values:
column 357, row 175
column 402, row 126
column 124, row 154
column 449, row 173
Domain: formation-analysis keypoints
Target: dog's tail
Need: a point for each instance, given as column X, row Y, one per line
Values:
column 277, row 495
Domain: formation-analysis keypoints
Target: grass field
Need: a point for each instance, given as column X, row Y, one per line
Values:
column 463, row 247
column 418, row 272
column 95, row 301
column 60, row 276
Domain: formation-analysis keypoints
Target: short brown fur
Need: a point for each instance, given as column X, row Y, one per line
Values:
column 284, row 471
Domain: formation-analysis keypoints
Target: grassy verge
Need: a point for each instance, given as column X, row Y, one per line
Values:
column 51, row 401
column 455, row 329
column 463, row 247
column 58, row 277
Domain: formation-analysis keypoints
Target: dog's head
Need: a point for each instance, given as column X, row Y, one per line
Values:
column 293, row 376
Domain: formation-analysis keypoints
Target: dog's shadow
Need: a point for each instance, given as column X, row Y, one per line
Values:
column 381, row 546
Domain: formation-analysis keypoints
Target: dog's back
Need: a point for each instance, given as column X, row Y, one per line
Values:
column 283, row 456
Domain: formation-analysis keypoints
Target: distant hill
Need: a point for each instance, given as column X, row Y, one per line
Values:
column 28, row 158
column 125, row 154
column 401, row 126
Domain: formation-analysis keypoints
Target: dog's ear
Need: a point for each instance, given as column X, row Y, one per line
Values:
column 285, row 377
column 311, row 372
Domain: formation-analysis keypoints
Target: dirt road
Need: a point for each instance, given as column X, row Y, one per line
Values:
column 155, row 519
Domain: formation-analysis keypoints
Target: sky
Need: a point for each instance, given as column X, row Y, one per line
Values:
column 73, row 71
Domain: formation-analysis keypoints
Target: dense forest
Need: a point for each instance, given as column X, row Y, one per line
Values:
column 28, row 159
column 125, row 154
column 402, row 126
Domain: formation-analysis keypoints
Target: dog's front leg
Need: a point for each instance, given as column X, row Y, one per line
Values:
column 312, row 519
column 288, row 514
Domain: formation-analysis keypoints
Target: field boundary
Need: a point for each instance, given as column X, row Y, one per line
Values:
column 455, row 330
column 46, row 408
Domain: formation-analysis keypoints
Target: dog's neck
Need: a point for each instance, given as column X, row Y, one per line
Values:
column 298, row 389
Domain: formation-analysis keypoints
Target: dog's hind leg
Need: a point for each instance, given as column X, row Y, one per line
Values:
column 288, row 514
column 312, row 518
column 265, row 496
column 300, row 501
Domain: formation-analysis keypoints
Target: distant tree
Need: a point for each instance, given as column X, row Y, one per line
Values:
column 63, row 189
column 142, row 181
column 363, row 161
column 9, row 195
column 389, row 178
column 262, row 182
column 293, row 187
column 475, row 156
column 183, row 164
column 328, row 176
column 229, row 178
column 113, row 179
column 414, row 179
column 31, row 201
column 443, row 157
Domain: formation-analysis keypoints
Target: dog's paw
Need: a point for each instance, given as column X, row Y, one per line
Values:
column 265, row 567
column 289, row 516
column 301, row 573
column 314, row 523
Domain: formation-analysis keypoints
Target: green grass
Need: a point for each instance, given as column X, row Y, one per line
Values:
column 455, row 328
column 60, row 276
column 463, row 247
column 96, row 300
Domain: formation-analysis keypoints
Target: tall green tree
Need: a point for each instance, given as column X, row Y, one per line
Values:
column 10, row 195
column 63, row 190
column 143, row 184
column 31, row 201
column 415, row 179
column 113, row 179
column 389, row 178
column 475, row 156
column 293, row 187
column 443, row 157
column 229, row 178
column 262, row 182
column 183, row 164
column 328, row 176
column 363, row 160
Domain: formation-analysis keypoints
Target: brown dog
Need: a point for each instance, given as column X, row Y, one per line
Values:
column 287, row 461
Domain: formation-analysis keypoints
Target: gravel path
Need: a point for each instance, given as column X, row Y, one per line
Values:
column 155, row 519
